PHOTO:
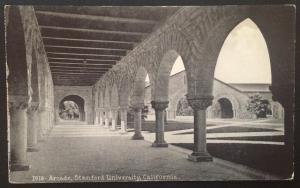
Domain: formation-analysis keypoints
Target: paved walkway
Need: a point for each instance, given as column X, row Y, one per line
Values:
column 89, row 153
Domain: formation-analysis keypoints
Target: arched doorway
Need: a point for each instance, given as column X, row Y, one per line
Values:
column 225, row 108
column 71, row 108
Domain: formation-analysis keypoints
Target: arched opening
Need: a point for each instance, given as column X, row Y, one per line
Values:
column 137, row 95
column 243, row 68
column 71, row 108
column 244, row 56
column 171, row 82
column 225, row 108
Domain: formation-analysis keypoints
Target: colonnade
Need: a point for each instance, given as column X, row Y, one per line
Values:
column 107, row 117
column 30, row 124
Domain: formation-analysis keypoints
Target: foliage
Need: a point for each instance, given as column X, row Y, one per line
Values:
column 70, row 110
column 183, row 108
column 258, row 106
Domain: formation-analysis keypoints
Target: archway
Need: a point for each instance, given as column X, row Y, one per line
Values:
column 137, row 97
column 225, row 108
column 72, row 108
column 171, row 62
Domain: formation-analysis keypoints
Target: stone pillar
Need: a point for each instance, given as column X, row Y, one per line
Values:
column 160, row 111
column 101, row 118
column 42, row 128
column 123, row 119
column 113, row 119
column 138, row 122
column 32, row 130
column 199, row 106
column 18, row 134
column 106, row 124
column 96, row 120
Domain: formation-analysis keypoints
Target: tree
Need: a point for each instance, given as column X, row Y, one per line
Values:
column 258, row 106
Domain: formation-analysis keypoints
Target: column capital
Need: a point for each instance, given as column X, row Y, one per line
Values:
column 200, row 103
column 123, row 108
column 159, row 105
column 137, row 106
column 18, row 102
column 34, row 106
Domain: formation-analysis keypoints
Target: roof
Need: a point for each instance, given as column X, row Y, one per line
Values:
column 240, row 87
column 251, row 87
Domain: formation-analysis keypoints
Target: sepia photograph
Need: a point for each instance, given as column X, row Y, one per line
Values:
column 150, row 93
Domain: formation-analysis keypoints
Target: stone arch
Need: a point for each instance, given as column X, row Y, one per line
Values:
column 100, row 99
column 79, row 101
column 138, row 91
column 161, row 90
column 114, row 96
column 107, row 99
column 124, row 92
column 274, row 33
column 19, row 82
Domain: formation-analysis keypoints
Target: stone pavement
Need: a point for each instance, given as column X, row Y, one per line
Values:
column 91, row 153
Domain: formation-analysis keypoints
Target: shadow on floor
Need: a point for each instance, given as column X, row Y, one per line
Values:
column 233, row 129
column 273, row 159
column 170, row 126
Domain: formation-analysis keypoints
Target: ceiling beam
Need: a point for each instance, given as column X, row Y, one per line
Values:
column 81, row 67
column 87, row 65
column 88, row 40
column 90, row 44
column 75, row 73
column 98, row 18
column 89, row 29
column 77, row 60
column 88, row 35
column 83, row 50
column 53, row 70
column 83, row 56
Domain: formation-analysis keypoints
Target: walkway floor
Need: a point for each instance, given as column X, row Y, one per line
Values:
column 88, row 153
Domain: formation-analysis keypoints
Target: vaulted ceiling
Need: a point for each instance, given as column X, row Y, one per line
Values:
column 84, row 42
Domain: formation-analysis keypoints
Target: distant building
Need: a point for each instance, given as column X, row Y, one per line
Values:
column 230, row 100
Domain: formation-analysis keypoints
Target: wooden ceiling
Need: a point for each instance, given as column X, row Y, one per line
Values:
column 84, row 42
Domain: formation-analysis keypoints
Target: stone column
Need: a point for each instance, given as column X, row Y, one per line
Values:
column 113, row 119
column 32, row 124
column 42, row 128
column 199, row 106
column 96, row 119
column 106, row 124
column 18, row 134
column 138, row 121
column 123, row 119
column 101, row 117
column 160, row 111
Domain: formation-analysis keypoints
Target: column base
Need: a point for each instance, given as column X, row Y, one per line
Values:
column 123, row 132
column 137, row 137
column 200, row 157
column 19, row 167
column 113, row 129
column 160, row 144
column 33, row 148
